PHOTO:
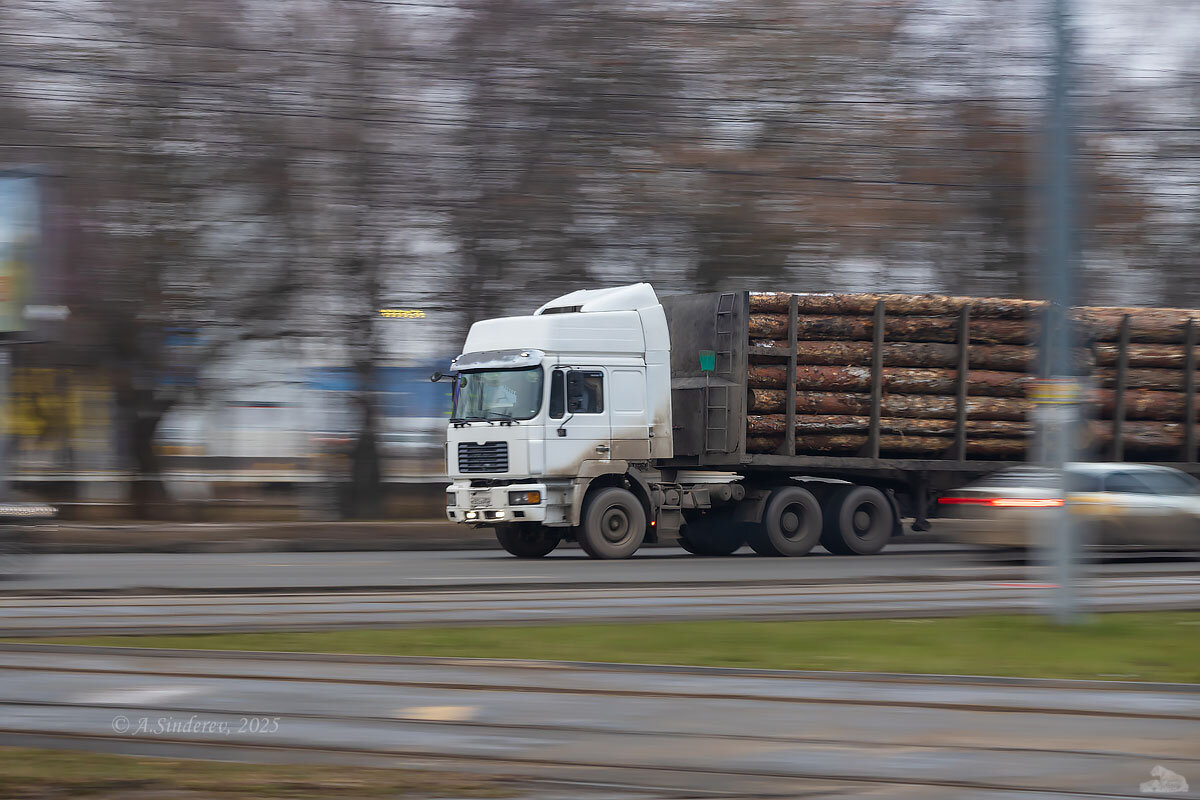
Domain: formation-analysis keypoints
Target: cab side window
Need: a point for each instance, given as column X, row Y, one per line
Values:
column 558, row 394
column 585, row 392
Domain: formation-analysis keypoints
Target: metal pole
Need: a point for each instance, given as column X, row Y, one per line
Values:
column 6, row 406
column 1059, row 416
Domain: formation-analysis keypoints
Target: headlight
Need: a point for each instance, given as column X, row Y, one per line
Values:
column 451, row 499
column 524, row 498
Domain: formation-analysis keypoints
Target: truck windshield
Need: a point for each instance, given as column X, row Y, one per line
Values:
column 499, row 394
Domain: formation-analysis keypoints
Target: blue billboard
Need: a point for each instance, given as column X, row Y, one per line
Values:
column 402, row 391
column 20, row 238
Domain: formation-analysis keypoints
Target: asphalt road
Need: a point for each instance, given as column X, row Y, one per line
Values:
column 203, row 572
column 183, row 613
column 627, row 731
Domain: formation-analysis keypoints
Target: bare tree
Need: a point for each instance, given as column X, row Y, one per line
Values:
column 180, row 263
column 243, row 172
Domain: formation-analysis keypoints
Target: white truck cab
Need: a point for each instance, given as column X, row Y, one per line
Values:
column 544, row 404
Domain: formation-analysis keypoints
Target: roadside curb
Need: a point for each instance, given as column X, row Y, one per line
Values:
column 284, row 537
column 168, row 537
column 984, row 573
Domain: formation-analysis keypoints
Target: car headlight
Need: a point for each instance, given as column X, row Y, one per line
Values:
column 524, row 498
column 451, row 499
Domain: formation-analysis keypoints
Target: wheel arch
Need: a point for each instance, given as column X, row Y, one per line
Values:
column 630, row 481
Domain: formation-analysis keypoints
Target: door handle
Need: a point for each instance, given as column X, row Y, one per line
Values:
column 601, row 448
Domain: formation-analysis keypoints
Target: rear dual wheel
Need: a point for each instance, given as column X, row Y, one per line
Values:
column 791, row 523
column 858, row 521
column 715, row 533
column 527, row 540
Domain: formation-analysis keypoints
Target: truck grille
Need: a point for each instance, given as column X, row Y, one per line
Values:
column 486, row 457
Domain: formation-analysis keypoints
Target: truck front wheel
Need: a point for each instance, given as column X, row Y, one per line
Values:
column 527, row 541
column 858, row 521
column 791, row 523
column 613, row 524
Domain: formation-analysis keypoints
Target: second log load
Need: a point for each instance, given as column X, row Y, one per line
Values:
column 920, row 353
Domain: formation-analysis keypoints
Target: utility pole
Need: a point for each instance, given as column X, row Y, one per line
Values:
column 6, row 418
column 1057, row 397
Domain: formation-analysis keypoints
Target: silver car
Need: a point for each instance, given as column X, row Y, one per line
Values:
column 1118, row 505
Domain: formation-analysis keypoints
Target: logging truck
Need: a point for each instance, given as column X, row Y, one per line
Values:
column 614, row 418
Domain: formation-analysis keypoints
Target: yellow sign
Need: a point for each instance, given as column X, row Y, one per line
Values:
column 402, row 313
column 1055, row 391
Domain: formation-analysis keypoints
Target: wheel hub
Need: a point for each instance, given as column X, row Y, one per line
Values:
column 615, row 525
column 862, row 519
column 791, row 520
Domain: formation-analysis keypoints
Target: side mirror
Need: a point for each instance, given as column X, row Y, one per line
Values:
column 435, row 377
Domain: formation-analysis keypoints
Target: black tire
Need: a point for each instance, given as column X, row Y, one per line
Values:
column 715, row 533
column 858, row 521
column 527, row 541
column 791, row 523
column 613, row 524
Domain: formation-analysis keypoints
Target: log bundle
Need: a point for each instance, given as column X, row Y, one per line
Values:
column 906, row 380
column 1136, row 359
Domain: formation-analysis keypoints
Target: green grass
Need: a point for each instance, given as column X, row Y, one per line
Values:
column 1159, row 646
column 35, row 774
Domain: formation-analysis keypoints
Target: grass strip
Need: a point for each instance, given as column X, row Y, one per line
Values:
column 40, row 774
column 1149, row 646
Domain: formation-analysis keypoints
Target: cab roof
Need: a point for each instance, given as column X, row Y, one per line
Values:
column 633, row 297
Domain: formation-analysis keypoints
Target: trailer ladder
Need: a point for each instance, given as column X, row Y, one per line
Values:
column 716, row 396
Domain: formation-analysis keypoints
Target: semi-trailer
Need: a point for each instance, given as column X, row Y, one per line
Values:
column 613, row 418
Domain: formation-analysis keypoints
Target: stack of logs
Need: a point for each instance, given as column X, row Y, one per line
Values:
column 919, row 402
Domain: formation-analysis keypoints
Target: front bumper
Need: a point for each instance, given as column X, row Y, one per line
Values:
column 1027, row 529
column 488, row 505
column 1003, row 534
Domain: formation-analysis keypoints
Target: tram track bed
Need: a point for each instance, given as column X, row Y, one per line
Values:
column 81, row 615
column 731, row 732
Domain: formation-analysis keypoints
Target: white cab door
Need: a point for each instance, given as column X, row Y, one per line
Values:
column 579, row 426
